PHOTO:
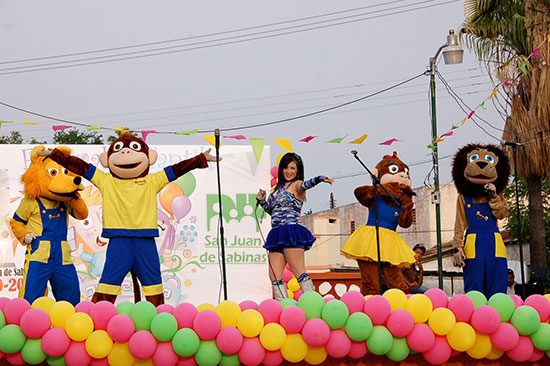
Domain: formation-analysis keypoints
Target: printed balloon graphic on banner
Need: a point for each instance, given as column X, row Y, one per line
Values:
column 187, row 183
column 181, row 205
column 274, row 173
column 167, row 195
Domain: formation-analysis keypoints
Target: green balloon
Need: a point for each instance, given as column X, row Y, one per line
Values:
column 358, row 326
column 124, row 308
column 164, row 326
column 335, row 313
column 477, row 297
column 399, row 350
column 32, row 352
column 504, row 305
column 185, row 342
column 142, row 314
column 312, row 304
column 230, row 360
column 526, row 320
column 380, row 341
column 56, row 361
column 12, row 338
column 285, row 303
column 208, row 354
column 2, row 320
column 541, row 338
column 187, row 183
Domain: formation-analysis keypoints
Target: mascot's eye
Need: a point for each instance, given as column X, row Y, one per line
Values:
column 490, row 159
column 86, row 224
column 134, row 145
column 53, row 172
column 474, row 157
column 393, row 169
column 118, row 146
column 66, row 171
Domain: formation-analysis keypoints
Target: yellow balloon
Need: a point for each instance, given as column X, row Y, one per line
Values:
column 206, row 306
column 229, row 312
column 250, row 323
column 547, row 296
column 462, row 337
column 290, row 294
column 120, row 355
column 396, row 297
column 495, row 354
column 99, row 344
column 295, row 348
column 273, row 336
column 293, row 284
column 79, row 326
column 442, row 321
column 146, row 362
column 167, row 195
column 60, row 312
column 45, row 303
column 315, row 355
column 367, row 297
column 420, row 306
column 481, row 348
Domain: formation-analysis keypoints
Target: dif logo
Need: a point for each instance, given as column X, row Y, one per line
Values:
column 242, row 206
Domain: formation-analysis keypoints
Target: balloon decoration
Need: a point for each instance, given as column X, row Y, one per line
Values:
column 187, row 183
column 167, row 195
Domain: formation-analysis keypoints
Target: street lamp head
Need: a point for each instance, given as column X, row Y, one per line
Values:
column 452, row 53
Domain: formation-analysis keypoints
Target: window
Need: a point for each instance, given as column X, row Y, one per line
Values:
column 351, row 227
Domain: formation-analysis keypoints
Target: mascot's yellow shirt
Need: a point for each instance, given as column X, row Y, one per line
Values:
column 129, row 205
column 28, row 213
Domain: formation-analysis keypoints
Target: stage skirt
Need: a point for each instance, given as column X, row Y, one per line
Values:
column 393, row 249
column 289, row 236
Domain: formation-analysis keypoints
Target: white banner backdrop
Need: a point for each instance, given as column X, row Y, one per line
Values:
column 188, row 225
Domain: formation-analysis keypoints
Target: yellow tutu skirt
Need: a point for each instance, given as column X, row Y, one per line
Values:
column 393, row 249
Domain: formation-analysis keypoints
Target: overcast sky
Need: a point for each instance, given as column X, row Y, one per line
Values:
column 224, row 81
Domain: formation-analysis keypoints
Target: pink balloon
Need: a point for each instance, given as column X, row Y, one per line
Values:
column 181, row 205
column 76, row 355
column 229, row 340
column 187, row 361
column 207, row 324
column 84, row 307
column 400, row 323
column 297, row 295
column 486, row 319
column 185, row 314
column 536, row 356
column 251, row 353
column 273, row 358
column 15, row 358
column 422, row 338
column 121, row 328
column 55, row 342
column 99, row 362
column 358, row 350
column 293, row 319
column 287, row 275
column 14, row 310
column 541, row 305
column 338, row 344
column 517, row 301
column 505, row 338
column 462, row 307
column 273, row 182
column 440, row 351
column 101, row 314
column 165, row 355
column 274, row 171
column 328, row 298
column 35, row 322
column 438, row 297
column 354, row 300
column 271, row 310
column 378, row 309
column 165, row 308
column 3, row 302
column 316, row 332
column 142, row 344
column 523, row 351
column 248, row 304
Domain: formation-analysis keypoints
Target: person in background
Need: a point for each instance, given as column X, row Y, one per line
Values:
column 510, row 289
column 413, row 275
column 289, row 238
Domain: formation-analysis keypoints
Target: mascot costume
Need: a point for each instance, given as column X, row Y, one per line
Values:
column 130, row 211
column 481, row 173
column 40, row 222
column 395, row 254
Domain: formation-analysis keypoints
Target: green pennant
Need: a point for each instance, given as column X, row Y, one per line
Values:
column 257, row 147
column 454, row 127
column 2, row 122
column 482, row 105
column 523, row 68
column 190, row 132
column 337, row 140
column 93, row 127
column 431, row 147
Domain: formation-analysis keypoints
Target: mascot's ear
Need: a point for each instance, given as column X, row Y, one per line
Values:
column 104, row 160
column 35, row 158
column 374, row 171
column 65, row 149
column 153, row 155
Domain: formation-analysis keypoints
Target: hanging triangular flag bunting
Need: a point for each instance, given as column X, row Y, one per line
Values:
column 307, row 139
column 285, row 144
column 236, row 137
column 25, row 122
column 121, row 130
column 447, row 134
column 471, row 114
column 431, row 147
column 535, row 53
column 438, row 139
column 2, row 122
column 523, row 68
column 359, row 140
column 388, row 142
column 507, row 83
column 482, row 105
column 454, row 127
column 60, row 127
column 257, row 147
column 146, row 133
column 93, row 127
column 463, row 120
column 492, row 94
column 211, row 139
column 337, row 140
column 190, row 132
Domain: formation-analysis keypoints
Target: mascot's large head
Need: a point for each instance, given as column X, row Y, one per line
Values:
column 475, row 165
column 392, row 169
column 45, row 178
column 128, row 157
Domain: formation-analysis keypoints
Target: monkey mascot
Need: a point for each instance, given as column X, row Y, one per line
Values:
column 395, row 254
column 481, row 173
column 130, row 211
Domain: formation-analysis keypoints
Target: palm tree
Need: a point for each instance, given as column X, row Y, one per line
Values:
column 503, row 34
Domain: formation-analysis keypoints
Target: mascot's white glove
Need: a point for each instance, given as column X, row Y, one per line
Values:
column 459, row 257
column 29, row 238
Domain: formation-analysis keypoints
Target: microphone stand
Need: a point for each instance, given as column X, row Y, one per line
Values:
column 375, row 182
column 222, row 241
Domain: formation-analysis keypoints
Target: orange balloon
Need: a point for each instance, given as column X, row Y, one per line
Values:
column 167, row 195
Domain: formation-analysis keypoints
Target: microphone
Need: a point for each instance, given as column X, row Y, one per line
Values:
column 217, row 136
column 409, row 192
column 510, row 143
column 354, row 152
column 257, row 200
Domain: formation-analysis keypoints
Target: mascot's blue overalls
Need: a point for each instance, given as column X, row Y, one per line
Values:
column 486, row 268
column 48, row 258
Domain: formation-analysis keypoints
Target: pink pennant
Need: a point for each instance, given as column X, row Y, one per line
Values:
column 236, row 137
column 471, row 114
column 307, row 139
column 535, row 53
column 389, row 142
column 447, row 134
column 146, row 133
column 60, row 127
column 507, row 83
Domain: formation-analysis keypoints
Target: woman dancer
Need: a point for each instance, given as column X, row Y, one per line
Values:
column 289, row 238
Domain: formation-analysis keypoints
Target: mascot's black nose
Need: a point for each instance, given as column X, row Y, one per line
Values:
column 481, row 164
column 77, row 180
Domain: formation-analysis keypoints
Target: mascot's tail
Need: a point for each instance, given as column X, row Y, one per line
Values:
column 137, row 290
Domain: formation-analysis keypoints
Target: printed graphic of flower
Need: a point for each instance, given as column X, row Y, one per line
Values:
column 188, row 234
column 187, row 283
column 193, row 219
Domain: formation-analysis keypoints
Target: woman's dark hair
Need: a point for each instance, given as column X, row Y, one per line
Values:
column 285, row 160
column 421, row 247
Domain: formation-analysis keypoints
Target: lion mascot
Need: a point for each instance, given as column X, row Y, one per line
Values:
column 480, row 174
column 40, row 222
column 395, row 254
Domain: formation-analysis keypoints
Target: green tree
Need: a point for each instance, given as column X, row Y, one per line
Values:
column 15, row 137
column 74, row 136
